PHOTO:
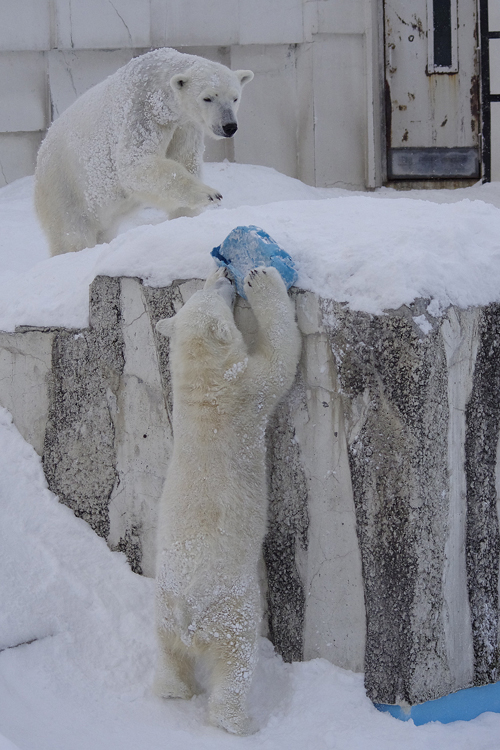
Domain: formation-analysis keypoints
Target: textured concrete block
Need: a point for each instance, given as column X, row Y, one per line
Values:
column 73, row 73
column 23, row 91
column 101, row 24
column 277, row 22
column 269, row 105
column 25, row 25
column 143, row 435
column 79, row 451
column 18, row 155
column 460, row 338
column 26, row 373
column 482, row 531
column 334, row 625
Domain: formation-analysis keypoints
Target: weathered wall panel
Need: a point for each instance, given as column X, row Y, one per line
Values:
column 25, row 25
column 100, row 24
column 18, row 155
column 340, row 117
column 23, row 95
column 268, row 106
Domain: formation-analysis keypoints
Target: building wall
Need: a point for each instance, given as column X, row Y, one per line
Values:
column 308, row 112
column 494, row 25
column 314, row 110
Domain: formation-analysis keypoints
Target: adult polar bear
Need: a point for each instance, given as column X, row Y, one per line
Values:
column 135, row 138
column 213, row 510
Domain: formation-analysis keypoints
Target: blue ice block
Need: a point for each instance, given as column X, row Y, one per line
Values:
column 249, row 247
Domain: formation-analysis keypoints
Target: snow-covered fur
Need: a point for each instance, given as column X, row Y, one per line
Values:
column 135, row 138
column 214, row 504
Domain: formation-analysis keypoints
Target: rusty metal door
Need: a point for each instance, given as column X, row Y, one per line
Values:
column 432, row 89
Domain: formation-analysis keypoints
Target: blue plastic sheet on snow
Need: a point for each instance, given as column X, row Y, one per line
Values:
column 460, row 706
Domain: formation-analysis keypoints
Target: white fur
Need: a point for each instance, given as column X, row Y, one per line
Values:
column 135, row 138
column 214, row 505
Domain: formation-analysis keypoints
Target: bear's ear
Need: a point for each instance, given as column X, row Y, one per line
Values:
column 245, row 76
column 166, row 326
column 179, row 81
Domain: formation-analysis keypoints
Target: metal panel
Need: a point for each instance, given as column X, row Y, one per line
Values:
column 437, row 163
column 431, row 105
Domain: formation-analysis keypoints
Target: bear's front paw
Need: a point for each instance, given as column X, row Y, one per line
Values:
column 219, row 281
column 261, row 279
column 220, row 273
column 206, row 196
column 214, row 196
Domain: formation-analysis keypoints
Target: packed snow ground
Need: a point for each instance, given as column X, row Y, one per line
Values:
column 80, row 680
column 76, row 636
column 374, row 251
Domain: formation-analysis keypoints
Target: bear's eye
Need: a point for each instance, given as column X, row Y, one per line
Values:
column 235, row 99
column 208, row 99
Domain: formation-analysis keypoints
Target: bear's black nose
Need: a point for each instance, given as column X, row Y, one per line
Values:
column 229, row 129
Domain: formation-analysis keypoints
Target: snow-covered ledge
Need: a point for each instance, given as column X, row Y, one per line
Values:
column 383, row 545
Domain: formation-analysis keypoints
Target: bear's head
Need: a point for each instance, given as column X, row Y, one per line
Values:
column 211, row 97
column 203, row 337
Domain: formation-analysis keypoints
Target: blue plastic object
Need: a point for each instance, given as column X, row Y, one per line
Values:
column 463, row 705
column 249, row 247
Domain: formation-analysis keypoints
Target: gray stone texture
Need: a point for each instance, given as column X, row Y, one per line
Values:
column 483, row 540
column 398, row 460
column 383, row 547
column 79, row 453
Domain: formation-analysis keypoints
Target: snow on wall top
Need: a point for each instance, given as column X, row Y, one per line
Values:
column 373, row 251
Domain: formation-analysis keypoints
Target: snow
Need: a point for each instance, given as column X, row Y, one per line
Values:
column 373, row 251
column 76, row 625
column 80, row 680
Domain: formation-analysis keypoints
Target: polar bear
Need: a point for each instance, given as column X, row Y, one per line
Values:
column 214, row 504
column 135, row 138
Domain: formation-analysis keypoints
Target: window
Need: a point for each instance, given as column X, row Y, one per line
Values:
column 442, row 36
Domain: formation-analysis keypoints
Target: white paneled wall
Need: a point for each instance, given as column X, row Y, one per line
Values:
column 307, row 112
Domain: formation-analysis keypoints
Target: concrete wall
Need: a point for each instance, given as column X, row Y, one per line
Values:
column 309, row 112
column 383, row 546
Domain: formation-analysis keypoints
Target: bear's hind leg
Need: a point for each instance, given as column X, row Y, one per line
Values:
column 64, row 217
column 232, row 663
column 174, row 671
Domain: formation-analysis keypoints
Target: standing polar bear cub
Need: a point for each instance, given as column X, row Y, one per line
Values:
column 213, row 510
column 135, row 138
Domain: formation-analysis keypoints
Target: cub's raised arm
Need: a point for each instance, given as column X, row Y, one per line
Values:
column 278, row 339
